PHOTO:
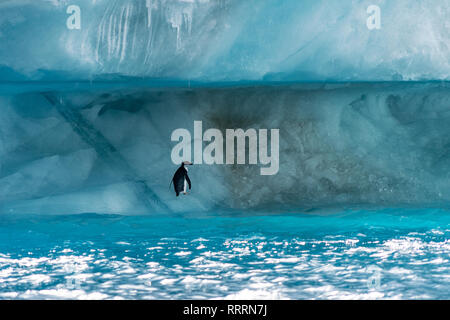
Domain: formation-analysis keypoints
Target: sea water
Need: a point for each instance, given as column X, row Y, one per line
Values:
column 351, row 254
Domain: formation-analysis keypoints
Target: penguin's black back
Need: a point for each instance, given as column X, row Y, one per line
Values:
column 178, row 180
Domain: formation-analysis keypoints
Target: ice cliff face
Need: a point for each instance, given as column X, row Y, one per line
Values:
column 109, row 151
column 65, row 148
column 225, row 40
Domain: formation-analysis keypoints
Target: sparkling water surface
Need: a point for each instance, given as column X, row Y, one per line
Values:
column 354, row 254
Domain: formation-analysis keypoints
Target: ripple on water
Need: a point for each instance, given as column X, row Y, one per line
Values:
column 361, row 264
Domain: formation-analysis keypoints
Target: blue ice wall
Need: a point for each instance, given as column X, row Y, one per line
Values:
column 104, row 146
column 225, row 40
column 109, row 151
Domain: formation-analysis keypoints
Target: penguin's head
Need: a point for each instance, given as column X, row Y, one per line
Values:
column 186, row 163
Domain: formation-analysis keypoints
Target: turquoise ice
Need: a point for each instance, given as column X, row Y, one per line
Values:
column 226, row 40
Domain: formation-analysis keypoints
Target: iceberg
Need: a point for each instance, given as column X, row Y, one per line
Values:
column 92, row 90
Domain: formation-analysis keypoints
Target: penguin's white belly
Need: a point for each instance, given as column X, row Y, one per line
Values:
column 185, row 182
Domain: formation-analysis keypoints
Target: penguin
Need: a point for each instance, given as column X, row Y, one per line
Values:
column 181, row 179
